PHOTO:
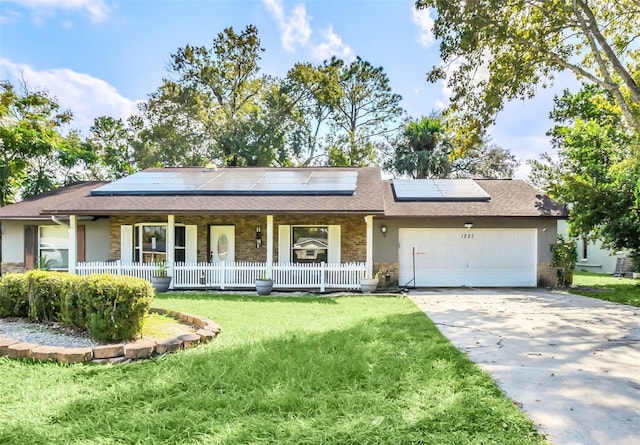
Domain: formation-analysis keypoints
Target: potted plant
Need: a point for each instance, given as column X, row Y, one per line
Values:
column 369, row 284
column 564, row 257
column 264, row 285
column 160, row 280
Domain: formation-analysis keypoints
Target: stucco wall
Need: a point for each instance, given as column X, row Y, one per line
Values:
column 598, row 258
column 96, row 241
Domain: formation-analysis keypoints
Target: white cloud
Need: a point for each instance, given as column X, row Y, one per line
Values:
column 86, row 96
column 295, row 28
column 332, row 46
column 422, row 18
column 97, row 9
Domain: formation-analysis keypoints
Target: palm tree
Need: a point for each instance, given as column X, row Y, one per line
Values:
column 423, row 150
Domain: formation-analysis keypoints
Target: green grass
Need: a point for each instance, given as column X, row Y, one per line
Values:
column 607, row 287
column 347, row 370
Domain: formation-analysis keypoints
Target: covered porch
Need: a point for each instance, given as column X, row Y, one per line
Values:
column 270, row 253
column 241, row 275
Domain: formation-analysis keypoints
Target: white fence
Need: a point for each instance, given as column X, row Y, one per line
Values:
column 241, row 275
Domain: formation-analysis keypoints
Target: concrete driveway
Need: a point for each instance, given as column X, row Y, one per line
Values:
column 572, row 363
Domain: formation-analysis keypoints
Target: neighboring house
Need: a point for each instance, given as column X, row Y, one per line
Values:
column 592, row 256
column 304, row 227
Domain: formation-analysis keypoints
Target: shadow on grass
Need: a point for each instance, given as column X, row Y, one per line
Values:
column 621, row 293
column 386, row 379
column 207, row 296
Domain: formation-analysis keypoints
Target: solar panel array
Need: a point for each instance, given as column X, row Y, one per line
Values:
column 234, row 182
column 438, row 190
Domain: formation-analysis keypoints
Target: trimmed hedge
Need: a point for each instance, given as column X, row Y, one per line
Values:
column 13, row 296
column 109, row 307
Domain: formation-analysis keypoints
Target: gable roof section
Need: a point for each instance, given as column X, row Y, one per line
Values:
column 508, row 197
column 32, row 208
column 367, row 198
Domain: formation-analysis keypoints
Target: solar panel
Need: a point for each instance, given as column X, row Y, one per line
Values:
column 438, row 190
column 245, row 181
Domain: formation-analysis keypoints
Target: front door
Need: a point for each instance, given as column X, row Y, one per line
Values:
column 222, row 242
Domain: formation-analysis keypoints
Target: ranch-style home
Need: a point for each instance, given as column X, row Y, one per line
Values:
column 306, row 228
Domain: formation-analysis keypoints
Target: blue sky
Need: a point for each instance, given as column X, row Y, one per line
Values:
column 101, row 57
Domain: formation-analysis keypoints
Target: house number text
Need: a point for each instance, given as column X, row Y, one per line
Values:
column 467, row 235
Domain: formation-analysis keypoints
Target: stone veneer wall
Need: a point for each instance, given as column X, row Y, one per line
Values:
column 353, row 233
column 547, row 275
column 12, row 268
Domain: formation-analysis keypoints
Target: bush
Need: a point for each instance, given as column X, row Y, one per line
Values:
column 45, row 292
column 13, row 296
column 113, row 307
column 109, row 307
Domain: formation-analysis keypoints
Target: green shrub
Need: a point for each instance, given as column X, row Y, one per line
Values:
column 71, row 310
column 114, row 306
column 13, row 296
column 109, row 307
column 45, row 292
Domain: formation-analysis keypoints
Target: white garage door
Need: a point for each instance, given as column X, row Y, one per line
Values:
column 462, row 257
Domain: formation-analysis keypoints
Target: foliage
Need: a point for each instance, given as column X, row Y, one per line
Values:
column 564, row 256
column 487, row 161
column 366, row 110
column 119, row 146
column 285, row 370
column 13, row 295
column 114, row 306
column 161, row 269
column 35, row 156
column 596, row 172
column 45, row 293
column 496, row 51
column 216, row 106
column 108, row 307
column 606, row 287
column 424, row 150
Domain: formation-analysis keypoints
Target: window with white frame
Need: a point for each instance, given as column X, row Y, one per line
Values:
column 150, row 243
column 310, row 244
column 53, row 247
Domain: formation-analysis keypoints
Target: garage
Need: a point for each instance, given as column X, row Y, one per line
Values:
column 448, row 257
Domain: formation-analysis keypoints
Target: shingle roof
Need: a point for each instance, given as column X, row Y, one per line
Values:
column 32, row 208
column 508, row 198
column 367, row 199
column 372, row 196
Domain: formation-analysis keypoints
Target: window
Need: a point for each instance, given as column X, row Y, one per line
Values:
column 310, row 244
column 150, row 243
column 53, row 246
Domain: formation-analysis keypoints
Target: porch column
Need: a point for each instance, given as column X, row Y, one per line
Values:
column 369, row 221
column 171, row 242
column 270, row 246
column 73, row 243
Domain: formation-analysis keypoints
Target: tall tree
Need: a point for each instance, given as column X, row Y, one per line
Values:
column 35, row 156
column 487, row 161
column 214, row 105
column 597, row 168
column 494, row 51
column 422, row 150
column 366, row 110
column 120, row 146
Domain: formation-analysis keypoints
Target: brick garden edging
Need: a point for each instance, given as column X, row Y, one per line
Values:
column 120, row 352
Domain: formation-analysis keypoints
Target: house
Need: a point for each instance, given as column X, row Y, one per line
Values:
column 592, row 255
column 315, row 227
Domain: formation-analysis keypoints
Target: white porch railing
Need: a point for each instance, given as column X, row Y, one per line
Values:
column 241, row 275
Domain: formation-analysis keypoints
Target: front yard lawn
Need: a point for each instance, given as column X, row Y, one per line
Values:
column 607, row 287
column 317, row 370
